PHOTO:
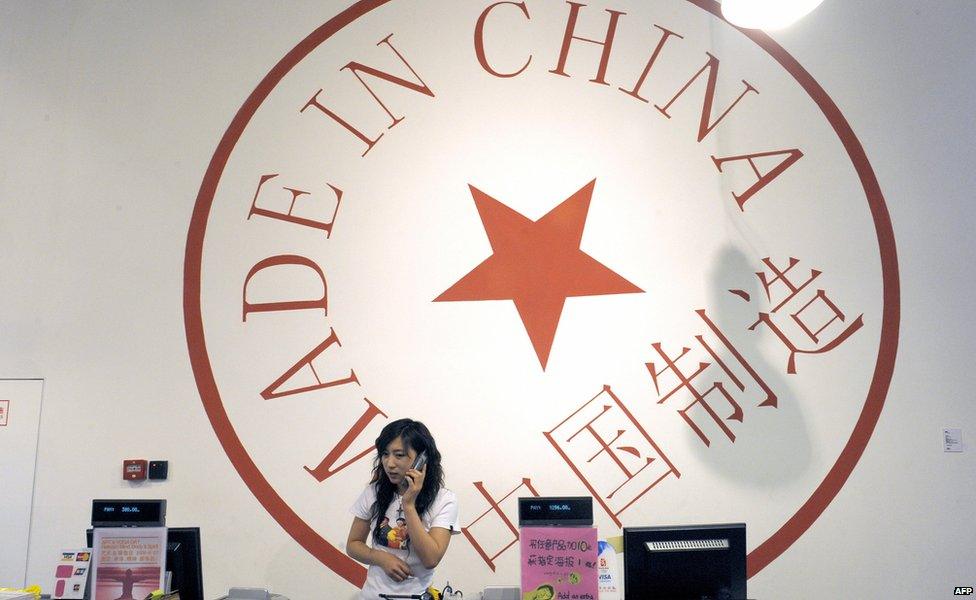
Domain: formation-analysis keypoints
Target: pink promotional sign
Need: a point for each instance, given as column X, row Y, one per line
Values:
column 559, row 563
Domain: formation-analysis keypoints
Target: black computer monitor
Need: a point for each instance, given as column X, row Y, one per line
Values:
column 183, row 560
column 685, row 562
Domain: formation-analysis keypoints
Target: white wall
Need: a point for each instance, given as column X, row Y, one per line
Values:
column 109, row 114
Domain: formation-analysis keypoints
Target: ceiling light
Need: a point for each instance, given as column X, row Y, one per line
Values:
column 766, row 14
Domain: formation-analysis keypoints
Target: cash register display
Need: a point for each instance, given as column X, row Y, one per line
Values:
column 556, row 511
column 128, row 513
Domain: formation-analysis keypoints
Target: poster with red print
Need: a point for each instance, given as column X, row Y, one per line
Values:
column 559, row 563
column 129, row 563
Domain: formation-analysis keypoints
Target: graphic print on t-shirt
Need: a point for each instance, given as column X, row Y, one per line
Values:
column 394, row 535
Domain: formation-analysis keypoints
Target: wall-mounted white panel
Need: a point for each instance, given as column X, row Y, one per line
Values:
column 20, row 417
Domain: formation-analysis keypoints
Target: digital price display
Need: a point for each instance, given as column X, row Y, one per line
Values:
column 128, row 513
column 556, row 511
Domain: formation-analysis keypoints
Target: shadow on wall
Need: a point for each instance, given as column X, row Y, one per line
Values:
column 772, row 444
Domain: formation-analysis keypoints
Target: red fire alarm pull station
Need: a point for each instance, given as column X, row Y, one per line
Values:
column 134, row 470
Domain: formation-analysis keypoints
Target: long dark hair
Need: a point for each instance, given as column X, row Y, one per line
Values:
column 415, row 435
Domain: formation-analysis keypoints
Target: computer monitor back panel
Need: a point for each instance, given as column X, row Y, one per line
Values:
column 184, row 559
column 691, row 562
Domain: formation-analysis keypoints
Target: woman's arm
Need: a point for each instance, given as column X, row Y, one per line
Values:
column 356, row 548
column 430, row 545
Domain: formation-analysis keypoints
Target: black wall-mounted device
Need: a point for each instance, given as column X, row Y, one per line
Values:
column 158, row 469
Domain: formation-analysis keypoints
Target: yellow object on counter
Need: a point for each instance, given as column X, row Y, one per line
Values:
column 34, row 589
column 161, row 595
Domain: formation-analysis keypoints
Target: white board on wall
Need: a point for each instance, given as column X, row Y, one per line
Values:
column 20, row 417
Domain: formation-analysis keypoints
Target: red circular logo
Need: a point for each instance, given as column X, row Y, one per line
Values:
column 618, row 249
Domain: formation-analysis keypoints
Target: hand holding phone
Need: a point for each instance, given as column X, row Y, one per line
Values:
column 418, row 464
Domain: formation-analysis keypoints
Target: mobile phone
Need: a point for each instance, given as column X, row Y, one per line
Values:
column 418, row 464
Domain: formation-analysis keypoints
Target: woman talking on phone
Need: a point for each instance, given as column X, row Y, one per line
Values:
column 403, row 521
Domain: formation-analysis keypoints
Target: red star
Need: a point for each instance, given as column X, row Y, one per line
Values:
column 537, row 265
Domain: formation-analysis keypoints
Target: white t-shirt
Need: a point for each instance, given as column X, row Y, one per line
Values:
column 443, row 512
